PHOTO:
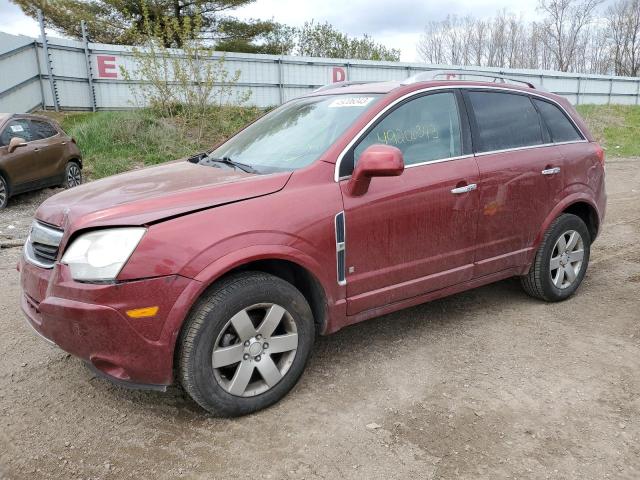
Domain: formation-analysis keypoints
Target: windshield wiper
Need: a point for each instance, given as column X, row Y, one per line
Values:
column 227, row 161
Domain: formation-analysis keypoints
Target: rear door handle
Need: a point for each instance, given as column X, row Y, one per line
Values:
column 467, row 188
column 551, row 171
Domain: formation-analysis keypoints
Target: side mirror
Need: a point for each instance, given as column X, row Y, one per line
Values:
column 375, row 161
column 16, row 142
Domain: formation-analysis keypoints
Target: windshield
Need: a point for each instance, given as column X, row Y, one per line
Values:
column 294, row 135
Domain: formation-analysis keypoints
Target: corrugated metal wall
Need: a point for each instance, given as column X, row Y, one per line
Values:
column 24, row 82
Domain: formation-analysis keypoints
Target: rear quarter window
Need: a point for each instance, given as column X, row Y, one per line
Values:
column 560, row 127
column 41, row 130
column 504, row 121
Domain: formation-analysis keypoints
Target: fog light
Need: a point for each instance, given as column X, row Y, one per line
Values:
column 143, row 312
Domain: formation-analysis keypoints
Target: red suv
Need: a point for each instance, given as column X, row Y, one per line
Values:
column 349, row 203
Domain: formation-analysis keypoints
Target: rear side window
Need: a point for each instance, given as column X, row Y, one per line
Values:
column 19, row 128
column 560, row 127
column 424, row 129
column 505, row 121
column 41, row 130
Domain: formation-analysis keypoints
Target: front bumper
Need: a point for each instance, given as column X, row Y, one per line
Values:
column 90, row 321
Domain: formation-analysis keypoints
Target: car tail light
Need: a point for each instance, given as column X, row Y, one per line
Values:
column 600, row 154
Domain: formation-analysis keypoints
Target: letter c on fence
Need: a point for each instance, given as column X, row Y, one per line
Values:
column 107, row 66
column 339, row 75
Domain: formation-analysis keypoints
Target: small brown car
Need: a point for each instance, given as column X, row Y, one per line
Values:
column 35, row 153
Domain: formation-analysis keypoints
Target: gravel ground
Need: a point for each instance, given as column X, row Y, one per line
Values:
column 16, row 218
column 488, row 384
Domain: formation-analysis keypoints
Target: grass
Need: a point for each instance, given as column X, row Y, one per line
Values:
column 616, row 127
column 118, row 141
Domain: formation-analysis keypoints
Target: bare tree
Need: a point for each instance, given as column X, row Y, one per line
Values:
column 496, row 41
column 564, row 25
column 570, row 38
column 623, row 20
column 478, row 39
column 430, row 46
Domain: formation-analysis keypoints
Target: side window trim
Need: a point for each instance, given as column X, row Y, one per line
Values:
column 465, row 132
column 342, row 157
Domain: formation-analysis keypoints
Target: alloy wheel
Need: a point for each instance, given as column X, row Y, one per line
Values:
column 3, row 193
column 566, row 259
column 255, row 349
column 74, row 176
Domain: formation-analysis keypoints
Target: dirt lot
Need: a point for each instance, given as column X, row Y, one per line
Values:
column 488, row 384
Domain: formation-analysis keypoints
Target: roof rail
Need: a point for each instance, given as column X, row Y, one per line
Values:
column 346, row 83
column 497, row 77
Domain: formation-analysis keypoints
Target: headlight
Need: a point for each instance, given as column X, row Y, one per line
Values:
column 100, row 255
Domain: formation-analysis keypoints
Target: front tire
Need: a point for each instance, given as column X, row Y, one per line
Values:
column 246, row 344
column 561, row 260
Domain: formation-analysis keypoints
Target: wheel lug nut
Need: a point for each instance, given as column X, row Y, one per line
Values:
column 245, row 356
column 246, row 343
column 265, row 345
column 258, row 358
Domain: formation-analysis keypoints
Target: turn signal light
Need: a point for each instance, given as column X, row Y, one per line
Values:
column 143, row 312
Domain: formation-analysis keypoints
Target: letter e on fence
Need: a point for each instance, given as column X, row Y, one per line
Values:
column 339, row 75
column 107, row 66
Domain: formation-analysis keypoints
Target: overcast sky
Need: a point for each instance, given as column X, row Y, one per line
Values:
column 397, row 24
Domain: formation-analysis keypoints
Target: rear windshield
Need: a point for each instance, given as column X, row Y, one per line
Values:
column 295, row 134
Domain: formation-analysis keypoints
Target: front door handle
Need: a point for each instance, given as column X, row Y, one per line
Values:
column 550, row 171
column 467, row 188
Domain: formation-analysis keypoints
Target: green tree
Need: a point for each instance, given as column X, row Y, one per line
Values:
column 256, row 37
column 323, row 40
column 122, row 21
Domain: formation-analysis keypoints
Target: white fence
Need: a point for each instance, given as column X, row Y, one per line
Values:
column 87, row 76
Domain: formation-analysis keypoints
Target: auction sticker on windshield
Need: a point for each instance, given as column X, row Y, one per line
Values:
column 350, row 102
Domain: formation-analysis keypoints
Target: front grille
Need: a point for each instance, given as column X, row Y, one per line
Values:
column 43, row 245
column 45, row 252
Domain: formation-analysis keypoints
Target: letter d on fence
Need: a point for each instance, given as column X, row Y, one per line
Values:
column 339, row 75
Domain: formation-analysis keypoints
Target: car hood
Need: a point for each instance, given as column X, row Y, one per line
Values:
column 152, row 194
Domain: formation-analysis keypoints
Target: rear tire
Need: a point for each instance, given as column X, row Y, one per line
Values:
column 245, row 344
column 72, row 175
column 4, row 193
column 561, row 260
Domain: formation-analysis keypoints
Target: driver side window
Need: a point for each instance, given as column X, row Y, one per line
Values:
column 16, row 128
column 424, row 129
